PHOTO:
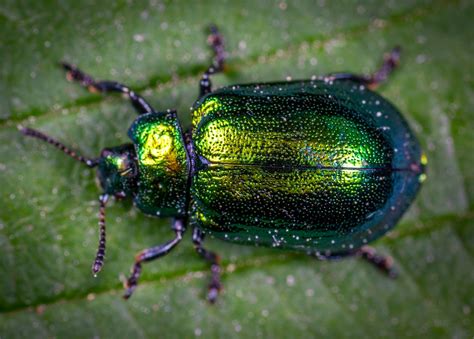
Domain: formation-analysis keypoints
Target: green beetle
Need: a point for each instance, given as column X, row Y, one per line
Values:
column 323, row 166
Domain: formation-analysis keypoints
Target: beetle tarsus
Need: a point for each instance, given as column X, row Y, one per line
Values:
column 382, row 262
column 390, row 62
column 131, row 283
column 215, row 285
column 216, row 41
column 75, row 74
column 150, row 254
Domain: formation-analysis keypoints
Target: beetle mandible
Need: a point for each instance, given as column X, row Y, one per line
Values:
column 323, row 166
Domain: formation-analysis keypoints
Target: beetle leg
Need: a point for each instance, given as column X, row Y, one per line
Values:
column 390, row 62
column 216, row 41
column 215, row 285
column 383, row 263
column 150, row 254
column 75, row 74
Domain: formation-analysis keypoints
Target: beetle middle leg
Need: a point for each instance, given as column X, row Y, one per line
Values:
column 216, row 41
column 150, row 254
column 215, row 284
column 75, row 74
column 390, row 62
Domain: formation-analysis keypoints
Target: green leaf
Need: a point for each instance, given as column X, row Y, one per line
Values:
column 48, row 214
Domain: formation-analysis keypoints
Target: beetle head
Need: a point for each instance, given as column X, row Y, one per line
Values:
column 117, row 171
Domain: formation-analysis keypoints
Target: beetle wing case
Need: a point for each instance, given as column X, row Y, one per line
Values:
column 302, row 165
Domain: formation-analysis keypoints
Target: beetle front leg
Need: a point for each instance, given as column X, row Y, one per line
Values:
column 150, row 254
column 215, row 285
column 216, row 41
column 75, row 74
column 390, row 62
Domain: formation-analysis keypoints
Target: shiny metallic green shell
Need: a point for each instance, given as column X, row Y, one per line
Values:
column 309, row 165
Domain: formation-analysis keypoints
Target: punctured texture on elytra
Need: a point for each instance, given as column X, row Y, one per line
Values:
column 309, row 165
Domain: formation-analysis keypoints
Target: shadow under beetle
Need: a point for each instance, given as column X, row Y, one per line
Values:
column 323, row 166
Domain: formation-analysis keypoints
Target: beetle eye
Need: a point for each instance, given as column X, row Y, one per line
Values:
column 105, row 153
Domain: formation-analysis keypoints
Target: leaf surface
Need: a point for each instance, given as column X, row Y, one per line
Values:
column 48, row 218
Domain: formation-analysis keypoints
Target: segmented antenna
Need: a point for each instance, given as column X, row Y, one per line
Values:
column 99, row 258
column 73, row 154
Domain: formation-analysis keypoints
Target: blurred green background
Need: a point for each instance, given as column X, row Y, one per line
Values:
column 48, row 202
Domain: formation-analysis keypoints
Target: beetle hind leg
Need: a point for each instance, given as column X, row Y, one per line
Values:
column 382, row 262
column 215, row 285
column 216, row 41
column 390, row 62
column 75, row 74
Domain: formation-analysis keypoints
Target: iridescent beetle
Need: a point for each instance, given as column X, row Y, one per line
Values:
column 322, row 166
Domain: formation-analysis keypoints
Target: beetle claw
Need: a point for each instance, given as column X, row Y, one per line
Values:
column 130, row 285
column 128, row 292
column 213, row 294
column 214, row 290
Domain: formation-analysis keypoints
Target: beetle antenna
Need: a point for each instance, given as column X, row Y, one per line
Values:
column 73, row 154
column 99, row 257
